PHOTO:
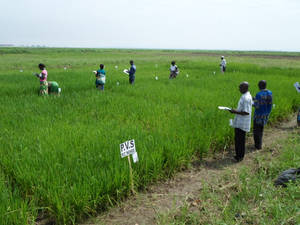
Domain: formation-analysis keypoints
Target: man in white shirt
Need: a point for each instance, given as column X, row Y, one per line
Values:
column 242, row 120
column 173, row 70
column 223, row 64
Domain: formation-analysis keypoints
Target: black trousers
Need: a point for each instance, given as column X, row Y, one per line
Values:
column 240, row 142
column 258, row 134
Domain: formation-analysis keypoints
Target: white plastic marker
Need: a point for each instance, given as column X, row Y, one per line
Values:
column 214, row 72
column 126, row 149
column 116, row 67
column 224, row 108
column 21, row 71
column 297, row 86
column 65, row 68
column 59, row 90
column 156, row 77
column 135, row 157
column 118, row 83
column 187, row 75
column 274, row 106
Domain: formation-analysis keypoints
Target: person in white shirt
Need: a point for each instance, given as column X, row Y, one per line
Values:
column 242, row 120
column 174, row 71
column 223, row 64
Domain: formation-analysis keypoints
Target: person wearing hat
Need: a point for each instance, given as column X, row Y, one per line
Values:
column 223, row 64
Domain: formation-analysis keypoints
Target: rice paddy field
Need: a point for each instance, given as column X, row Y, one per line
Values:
column 60, row 156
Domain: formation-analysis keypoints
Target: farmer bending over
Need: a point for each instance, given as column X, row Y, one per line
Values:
column 53, row 88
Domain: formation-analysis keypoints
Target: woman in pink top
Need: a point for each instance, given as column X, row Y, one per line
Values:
column 43, row 79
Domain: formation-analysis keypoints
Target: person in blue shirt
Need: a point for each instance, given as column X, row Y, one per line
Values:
column 100, row 78
column 131, row 72
column 263, row 107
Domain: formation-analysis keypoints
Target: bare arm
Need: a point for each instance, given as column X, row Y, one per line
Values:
column 234, row 111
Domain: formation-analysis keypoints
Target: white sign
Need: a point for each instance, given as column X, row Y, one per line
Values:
column 135, row 157
column 127, row 148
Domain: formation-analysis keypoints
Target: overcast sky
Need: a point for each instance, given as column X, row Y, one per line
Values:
column 172, row 24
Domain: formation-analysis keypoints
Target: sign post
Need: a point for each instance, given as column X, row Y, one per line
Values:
column 126, row 149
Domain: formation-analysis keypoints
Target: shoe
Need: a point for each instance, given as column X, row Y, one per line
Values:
column 237, row 159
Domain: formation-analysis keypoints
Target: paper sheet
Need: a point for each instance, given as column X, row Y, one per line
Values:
column 126, row 71
column 297, row 86
column 224, row 108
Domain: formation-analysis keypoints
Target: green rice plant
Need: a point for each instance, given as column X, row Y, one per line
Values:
column 63, row 152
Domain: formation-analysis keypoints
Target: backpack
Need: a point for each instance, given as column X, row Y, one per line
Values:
column 287, row 176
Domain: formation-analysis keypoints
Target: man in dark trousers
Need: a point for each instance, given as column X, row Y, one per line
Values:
column 131, row 72
column 263, row 106
column 242, row 120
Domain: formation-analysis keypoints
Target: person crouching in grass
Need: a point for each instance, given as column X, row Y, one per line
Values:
column 100, row 78
column 173, row 70
column 53, row 88
column 43, row 79
column 242, row 120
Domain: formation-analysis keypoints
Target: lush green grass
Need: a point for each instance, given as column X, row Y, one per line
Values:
column 249, row 197
column 14, row 208
column 63, row 152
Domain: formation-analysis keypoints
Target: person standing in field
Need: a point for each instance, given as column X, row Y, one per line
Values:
column 242, row 120
column 131, row 72
column 223, row 64
column 173, row 70
column 100, row 77
column 43, row 79
column 263, row 107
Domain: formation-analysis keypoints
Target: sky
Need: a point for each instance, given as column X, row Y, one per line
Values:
column 160, row 24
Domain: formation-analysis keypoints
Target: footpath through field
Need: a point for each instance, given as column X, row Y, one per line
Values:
column 143, row 208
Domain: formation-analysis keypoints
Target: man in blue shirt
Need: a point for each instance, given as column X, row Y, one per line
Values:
column 263, row 107
column 131, row 72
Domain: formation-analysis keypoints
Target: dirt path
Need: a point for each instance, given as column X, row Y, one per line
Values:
column 162, row 197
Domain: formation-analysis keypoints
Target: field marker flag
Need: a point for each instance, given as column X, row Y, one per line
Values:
column 126, row 149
